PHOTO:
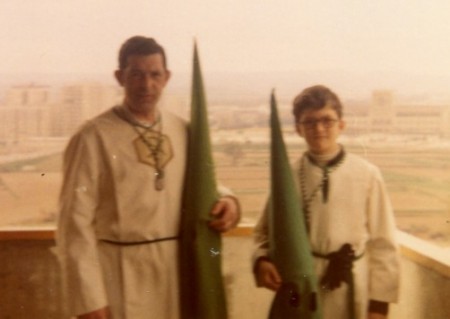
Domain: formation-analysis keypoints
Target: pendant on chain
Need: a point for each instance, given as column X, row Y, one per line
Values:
column 154, row 149
column 159, row 180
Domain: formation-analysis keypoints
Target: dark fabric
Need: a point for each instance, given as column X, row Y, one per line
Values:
column 380, row 307
column 339, row 268
column 332, row 164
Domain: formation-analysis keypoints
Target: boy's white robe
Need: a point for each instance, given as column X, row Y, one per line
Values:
column 358, row 212
column 108, row 194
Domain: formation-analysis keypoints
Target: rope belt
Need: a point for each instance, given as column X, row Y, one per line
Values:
column 143, row 242
column 340, row 270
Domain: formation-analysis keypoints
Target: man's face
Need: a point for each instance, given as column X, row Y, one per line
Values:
column 320, row 128
column 143, row 80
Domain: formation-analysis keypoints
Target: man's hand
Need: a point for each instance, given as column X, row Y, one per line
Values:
column 102, row 313
column 226, row 214
column 267, row 275
column 374, row 315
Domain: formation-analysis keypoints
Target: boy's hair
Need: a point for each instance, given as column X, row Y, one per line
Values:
column 139, row 45
column 315, row 98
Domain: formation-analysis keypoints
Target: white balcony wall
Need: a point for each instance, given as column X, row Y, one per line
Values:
column 30, row 279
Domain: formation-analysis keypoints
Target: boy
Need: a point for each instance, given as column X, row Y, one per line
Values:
column 348, row 216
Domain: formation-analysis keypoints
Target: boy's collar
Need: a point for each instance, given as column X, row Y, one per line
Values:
column 327, row 160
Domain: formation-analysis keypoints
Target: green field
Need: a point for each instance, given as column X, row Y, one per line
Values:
column 418, row 182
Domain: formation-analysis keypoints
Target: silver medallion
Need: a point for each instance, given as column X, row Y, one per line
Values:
column 159, row 180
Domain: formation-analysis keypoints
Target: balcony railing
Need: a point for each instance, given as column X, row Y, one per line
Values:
column 30, row 280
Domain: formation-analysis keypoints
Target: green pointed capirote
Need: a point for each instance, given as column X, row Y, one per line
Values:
column 202, row 290
column 288, row 239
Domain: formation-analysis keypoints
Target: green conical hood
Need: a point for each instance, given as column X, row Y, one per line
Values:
column 202, row 290
column 289, row 244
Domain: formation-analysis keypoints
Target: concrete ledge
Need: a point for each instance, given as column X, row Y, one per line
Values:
column 48, row 232
column 27, row 233
column 31, row 282
column 243, row 230
column 425, row 253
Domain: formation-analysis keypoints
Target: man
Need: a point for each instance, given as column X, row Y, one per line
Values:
column 348, row 216
column 121, row 199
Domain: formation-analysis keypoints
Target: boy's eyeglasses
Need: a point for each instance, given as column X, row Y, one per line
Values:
column 326, row 122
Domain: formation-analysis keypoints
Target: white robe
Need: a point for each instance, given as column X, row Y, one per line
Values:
column 108, row 194
column 358, row 212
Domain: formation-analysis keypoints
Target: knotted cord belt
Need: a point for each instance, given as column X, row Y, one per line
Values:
column 340, row 270
column 132, row 243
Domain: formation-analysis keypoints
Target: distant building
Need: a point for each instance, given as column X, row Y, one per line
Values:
column 80, row 102
column 420, row 119
column 382, row 112
column 28, row 110
column 380, row 115
column 384, row 115
column 25, row 113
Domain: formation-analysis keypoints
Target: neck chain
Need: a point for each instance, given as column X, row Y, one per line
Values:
column 152, row 147
column 324, row 183
column 125, row 113
column 153, row 140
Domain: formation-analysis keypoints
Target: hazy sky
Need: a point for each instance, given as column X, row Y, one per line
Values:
column 61, row 36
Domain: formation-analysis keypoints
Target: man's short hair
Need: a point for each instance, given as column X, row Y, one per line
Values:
column 315, row 98
column 139, row 45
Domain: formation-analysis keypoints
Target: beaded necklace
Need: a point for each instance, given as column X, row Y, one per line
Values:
column 329, row 167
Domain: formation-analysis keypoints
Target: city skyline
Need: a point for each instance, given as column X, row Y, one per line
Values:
column 258, row 85
column 37, row 111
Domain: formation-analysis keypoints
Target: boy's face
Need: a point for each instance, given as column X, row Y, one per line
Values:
column 320, row 128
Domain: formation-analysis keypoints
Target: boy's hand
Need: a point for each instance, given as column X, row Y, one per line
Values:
column 267, row 275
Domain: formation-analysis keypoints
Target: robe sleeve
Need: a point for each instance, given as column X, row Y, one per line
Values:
column 224, row 191
column 76, row 239
column 382, row 248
